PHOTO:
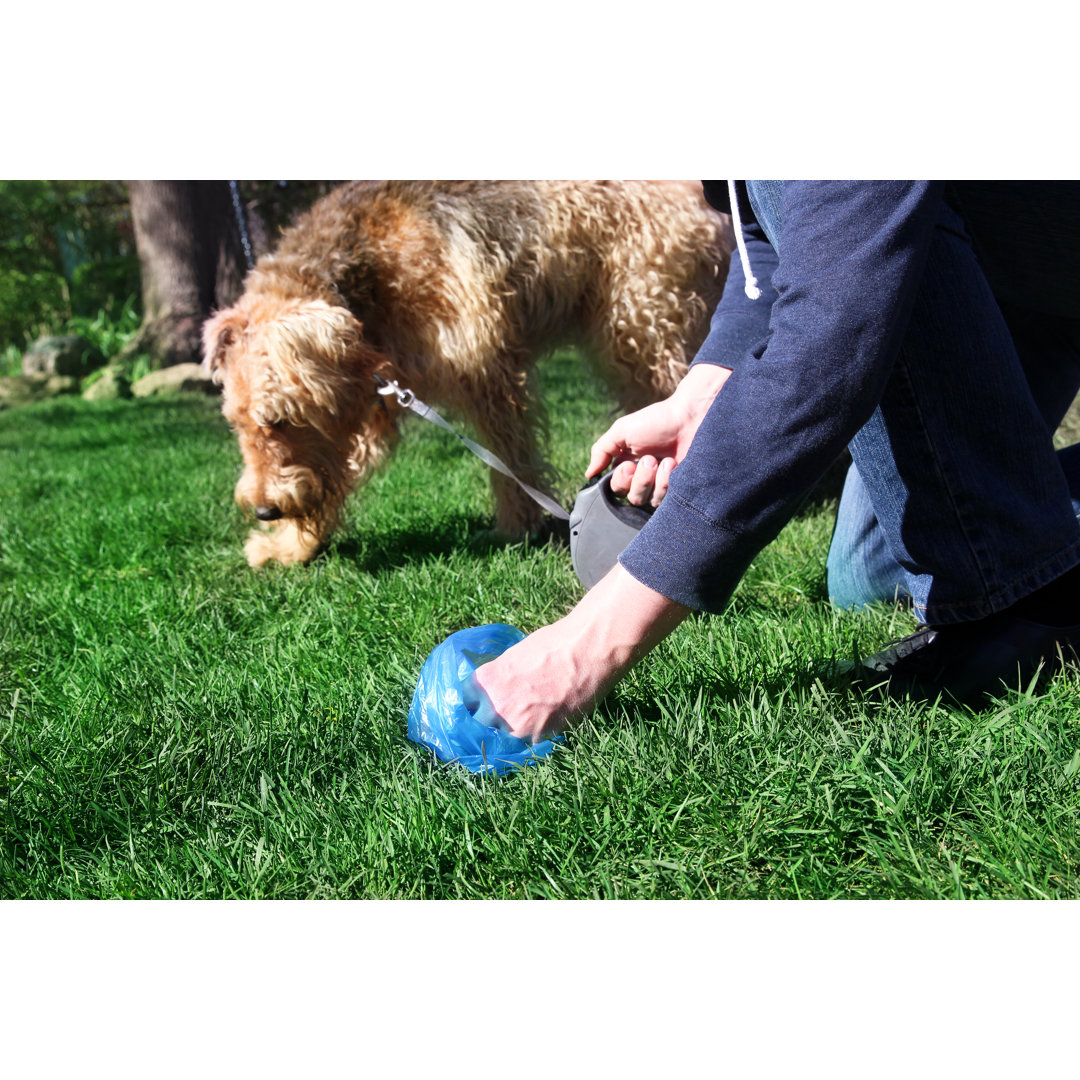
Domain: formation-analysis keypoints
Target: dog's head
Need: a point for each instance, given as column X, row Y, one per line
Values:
column 299, row 391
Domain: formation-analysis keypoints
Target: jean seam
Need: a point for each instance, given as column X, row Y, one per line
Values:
column 977, row 552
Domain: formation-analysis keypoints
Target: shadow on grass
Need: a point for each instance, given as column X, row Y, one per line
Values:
column 827, row 681
column 472, row 537
column 372, row 552
column 739, row 687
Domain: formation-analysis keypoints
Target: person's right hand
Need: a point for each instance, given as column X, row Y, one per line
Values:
column 559, row 672
column 647, row 445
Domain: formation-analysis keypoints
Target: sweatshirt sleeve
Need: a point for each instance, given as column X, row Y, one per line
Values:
column 739, row 323
column 850, row 258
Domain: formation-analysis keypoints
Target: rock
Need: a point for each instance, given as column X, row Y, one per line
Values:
column 108, row 386
column 1069, row 431
column 189, row 377
column 55, row 385
column 19, row 389
column 22, row 389
column 68, row 354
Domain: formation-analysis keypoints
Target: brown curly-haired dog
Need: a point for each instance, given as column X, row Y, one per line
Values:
column 453, row 289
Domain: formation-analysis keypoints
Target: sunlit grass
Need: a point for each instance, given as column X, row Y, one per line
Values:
column 174, row 724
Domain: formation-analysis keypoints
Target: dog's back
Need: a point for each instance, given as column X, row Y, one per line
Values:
column 465, row 271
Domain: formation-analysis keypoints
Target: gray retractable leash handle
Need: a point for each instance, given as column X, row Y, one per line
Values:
column 600, row 528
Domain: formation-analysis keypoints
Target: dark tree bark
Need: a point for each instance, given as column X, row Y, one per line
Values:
column 192, row 262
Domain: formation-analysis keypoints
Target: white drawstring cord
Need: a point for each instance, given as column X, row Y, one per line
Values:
column 751, row 287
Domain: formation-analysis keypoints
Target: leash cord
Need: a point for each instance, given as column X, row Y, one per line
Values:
column 408, row 400
column 241, row 222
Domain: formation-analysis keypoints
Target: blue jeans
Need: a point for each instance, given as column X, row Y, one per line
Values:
column 956, row 497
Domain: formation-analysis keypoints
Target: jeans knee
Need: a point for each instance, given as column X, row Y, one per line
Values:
column 846, row 588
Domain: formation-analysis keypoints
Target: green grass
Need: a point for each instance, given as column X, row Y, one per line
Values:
column 173, row 724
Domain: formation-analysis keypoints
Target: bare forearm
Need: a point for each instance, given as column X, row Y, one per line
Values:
column 562, row 670
column 615, row 625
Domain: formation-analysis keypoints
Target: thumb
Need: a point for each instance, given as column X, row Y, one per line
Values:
column 604, row 451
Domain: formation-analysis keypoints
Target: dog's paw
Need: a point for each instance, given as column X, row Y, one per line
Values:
column 285, row 543
column 259, row 549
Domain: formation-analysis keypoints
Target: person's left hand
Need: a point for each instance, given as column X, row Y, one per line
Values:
column 646, row 445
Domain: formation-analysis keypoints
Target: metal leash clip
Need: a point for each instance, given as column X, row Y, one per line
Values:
column 405, row 398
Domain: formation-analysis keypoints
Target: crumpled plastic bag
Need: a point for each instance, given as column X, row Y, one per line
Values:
column 451, row 715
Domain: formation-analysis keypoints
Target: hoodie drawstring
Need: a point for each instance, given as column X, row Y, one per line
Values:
column 751, row 287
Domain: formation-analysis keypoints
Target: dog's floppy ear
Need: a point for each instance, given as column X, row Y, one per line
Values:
column 313, row 332
column 317, row 346
column 219, row 333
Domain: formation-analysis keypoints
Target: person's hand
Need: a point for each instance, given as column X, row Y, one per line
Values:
column 647, row 445
column 561, row 671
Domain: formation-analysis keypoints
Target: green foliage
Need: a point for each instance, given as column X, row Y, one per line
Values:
column 10, row 360
column 66, row 252
column 107, row 331
column 31, row 303
column 175, row 724
column 68, row 261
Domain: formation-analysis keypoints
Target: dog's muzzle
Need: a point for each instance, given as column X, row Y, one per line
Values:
column 267, row 513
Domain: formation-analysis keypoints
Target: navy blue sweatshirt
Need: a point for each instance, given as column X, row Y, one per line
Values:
column 844, row 275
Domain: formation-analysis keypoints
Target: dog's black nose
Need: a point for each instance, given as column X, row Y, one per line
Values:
column 267, row 513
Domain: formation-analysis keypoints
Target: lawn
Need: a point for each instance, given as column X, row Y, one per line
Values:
column 174, row 724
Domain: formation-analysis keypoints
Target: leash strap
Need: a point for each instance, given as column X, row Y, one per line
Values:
column 241, row 224
column 408, row 400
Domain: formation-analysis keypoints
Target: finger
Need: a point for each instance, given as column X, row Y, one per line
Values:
column 622, row 477
column 602, row 455
column 604, row 451
column 641, row 488
column 663, row 476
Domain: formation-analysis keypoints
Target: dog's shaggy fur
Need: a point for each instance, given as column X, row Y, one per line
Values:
column 453, row 290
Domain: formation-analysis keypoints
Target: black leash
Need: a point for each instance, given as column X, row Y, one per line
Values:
column 241, row 222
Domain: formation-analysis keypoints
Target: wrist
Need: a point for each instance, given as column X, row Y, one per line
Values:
column 702, row 383
column 617, row 622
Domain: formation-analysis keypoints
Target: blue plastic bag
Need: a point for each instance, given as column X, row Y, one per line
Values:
column 451, row 715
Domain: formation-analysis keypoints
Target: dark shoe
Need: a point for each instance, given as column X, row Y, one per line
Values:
column 969, row 660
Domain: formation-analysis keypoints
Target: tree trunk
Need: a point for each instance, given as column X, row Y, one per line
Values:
column 192, row 262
